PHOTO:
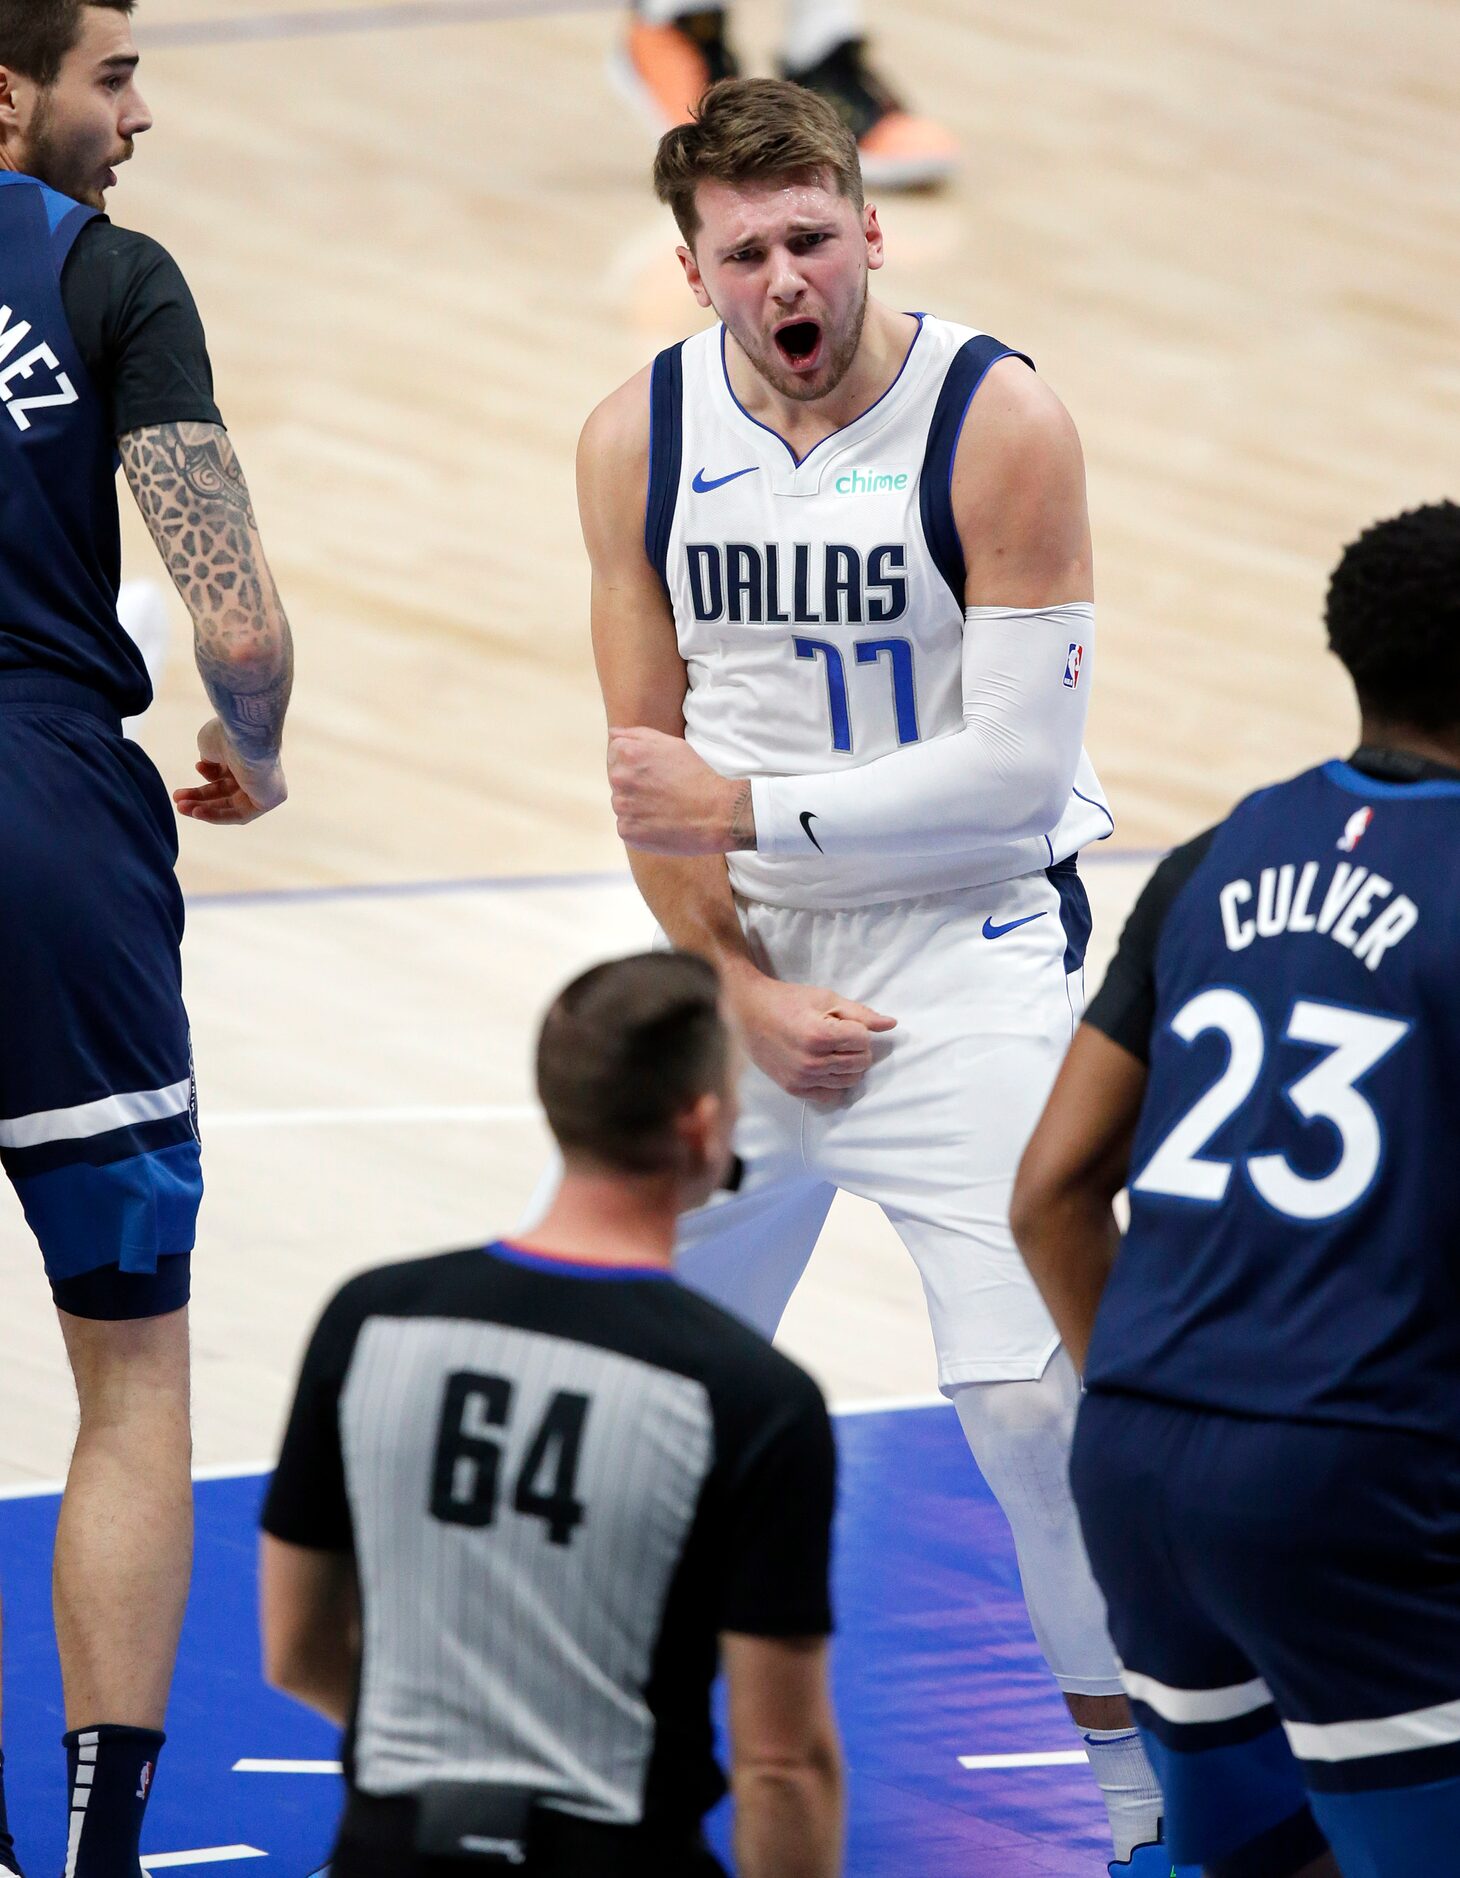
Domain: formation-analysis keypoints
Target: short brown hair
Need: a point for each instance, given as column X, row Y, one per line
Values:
column 751, row 130
column 36, row 35
column 625, row 1049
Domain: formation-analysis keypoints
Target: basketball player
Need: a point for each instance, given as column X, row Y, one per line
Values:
column 100, row 350
column 842, row 617
column 561, row 1485
column 1268, row 1461
column 676, row 49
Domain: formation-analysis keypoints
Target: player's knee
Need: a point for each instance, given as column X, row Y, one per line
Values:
column 129, row 1368
column 1020, row 1435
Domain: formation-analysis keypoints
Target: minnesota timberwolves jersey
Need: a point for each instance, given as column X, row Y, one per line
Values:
column 819, row 602
column 1295, row 1186
column 60, row 546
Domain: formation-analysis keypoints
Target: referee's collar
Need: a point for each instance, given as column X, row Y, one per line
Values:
column 562, row 1266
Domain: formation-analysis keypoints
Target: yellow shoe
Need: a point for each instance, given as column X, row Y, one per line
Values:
column 666, row 70
column 898, row 150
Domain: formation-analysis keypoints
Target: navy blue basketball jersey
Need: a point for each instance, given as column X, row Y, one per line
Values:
column 60, row 545
column 1294, row 1242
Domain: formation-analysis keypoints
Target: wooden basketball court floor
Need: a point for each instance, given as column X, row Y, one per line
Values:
column 423, row 243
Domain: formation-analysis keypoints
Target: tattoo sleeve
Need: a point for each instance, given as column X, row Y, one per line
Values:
column 190, row 488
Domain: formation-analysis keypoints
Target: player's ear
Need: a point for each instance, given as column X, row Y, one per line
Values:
column 692, row 274
column 9, row 106
column 872, row 230
column 699, row 1131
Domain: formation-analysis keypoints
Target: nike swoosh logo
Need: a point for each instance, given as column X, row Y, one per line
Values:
column 702, row 484
column 991, row 931
column 808, row 816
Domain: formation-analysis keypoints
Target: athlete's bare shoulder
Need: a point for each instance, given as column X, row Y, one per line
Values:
column 1019, row 493
column 613, row 469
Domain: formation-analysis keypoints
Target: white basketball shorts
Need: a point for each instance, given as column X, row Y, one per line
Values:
column 987, row 986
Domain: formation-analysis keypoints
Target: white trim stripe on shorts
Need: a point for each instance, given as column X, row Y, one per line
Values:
column 1195, row 1706
column 1435, row 1727
column 96, row 1118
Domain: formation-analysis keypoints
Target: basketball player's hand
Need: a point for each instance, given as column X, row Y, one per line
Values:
column 812, row 1042
column 234, row 790
column 669, row 801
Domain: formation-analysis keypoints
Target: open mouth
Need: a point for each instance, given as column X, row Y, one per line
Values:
column 799, row 343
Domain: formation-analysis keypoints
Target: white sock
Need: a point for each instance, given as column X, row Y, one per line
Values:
column 814, row 27
column 1127, row 1785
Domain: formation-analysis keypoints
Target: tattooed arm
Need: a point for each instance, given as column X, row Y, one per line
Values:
column 192, row 494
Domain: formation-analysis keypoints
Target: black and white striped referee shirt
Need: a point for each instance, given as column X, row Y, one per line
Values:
column 561, row 1482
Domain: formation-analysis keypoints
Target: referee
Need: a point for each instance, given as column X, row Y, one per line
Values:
column 102, row 357
column 529, row 1492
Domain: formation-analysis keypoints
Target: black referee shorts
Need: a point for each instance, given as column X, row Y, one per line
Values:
column 378, row 1840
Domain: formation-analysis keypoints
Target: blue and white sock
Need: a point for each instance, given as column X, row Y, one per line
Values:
column 109, row 1775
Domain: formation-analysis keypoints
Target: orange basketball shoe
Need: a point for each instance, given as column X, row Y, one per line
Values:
column 666, row 70
column 898, row 150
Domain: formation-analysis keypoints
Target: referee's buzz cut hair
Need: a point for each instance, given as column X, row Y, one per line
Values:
column 36, row 35
column 624, row 1050
column 1393, row 617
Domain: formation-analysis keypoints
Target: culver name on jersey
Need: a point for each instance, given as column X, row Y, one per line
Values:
column 819, row 603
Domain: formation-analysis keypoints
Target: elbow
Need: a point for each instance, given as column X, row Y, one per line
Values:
column 1047, row 792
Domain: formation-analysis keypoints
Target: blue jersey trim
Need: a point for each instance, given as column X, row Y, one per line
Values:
column 935, row 486
column 64, row 215
column 666, row 449
column 797, row 461
column 1074, row 910
column 1102, row 808
column 572, row 1268
column 1346, row 777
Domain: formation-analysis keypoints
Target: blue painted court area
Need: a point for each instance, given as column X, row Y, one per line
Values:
column 935, row 1660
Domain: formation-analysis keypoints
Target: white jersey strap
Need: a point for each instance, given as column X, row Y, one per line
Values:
column 1007, row 774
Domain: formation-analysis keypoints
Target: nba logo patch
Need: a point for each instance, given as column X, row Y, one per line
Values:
column 1073, row 659
column 1354, row 829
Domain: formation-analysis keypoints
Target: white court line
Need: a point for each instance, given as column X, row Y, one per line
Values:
column 1062, row 1757
column 899, row 1402
column 382, row 1117
column 207, row 1856
column 287, row 1767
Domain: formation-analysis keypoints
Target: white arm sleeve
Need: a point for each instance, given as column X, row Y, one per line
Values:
column 1006, row 774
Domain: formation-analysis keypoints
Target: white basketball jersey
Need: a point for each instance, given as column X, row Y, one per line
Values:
column 819, row 604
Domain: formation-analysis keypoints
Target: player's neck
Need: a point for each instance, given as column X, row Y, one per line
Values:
column 887, row 338
column 606, row 1219
column 1385, row 733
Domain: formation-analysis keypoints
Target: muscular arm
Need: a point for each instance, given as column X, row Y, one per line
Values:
column 640, row 671
column 191, row 490
column 1019, row 500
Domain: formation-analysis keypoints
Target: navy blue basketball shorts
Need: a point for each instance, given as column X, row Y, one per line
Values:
column 1284, row 1599
column 98, row 1117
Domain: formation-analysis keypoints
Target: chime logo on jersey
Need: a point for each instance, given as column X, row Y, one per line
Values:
column 1074, row 658
column 1354, row 829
